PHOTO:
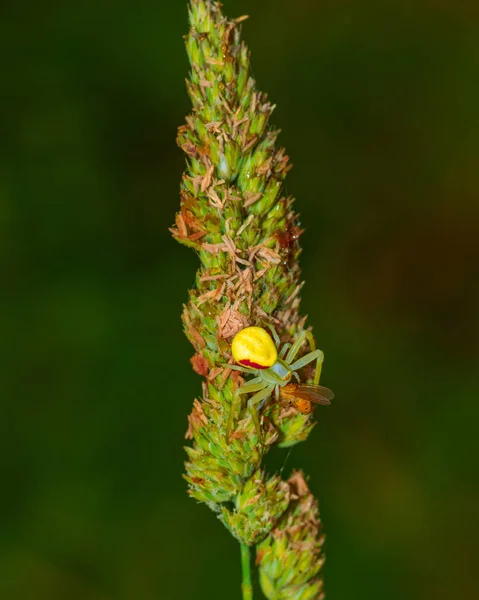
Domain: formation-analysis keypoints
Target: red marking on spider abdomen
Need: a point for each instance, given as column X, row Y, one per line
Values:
column 253, row 365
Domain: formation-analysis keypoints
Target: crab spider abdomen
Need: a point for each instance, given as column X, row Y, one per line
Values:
column 253, row 347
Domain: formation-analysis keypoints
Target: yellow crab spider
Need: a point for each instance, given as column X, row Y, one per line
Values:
column 256, row 353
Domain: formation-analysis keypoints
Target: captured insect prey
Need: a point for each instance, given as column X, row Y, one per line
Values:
column 303, row 395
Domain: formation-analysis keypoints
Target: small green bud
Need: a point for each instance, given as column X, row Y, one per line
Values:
column 257, row 508
column 290, row 558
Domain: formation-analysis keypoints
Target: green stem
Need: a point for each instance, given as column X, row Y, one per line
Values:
column 246, row 569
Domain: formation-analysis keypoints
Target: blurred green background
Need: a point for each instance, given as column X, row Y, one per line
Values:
column 378, row 102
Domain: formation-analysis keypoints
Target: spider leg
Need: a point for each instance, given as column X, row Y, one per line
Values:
column 257, row 399
column 284, row 350
column 295, row 348
column 307, row 358
column 277, row 341
column 254, row 385
column 236, row 368
column 306, row 335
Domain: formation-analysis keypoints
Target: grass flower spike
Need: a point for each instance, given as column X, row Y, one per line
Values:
column 259, row 364
column 290, row 559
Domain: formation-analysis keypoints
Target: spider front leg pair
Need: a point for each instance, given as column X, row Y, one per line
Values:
column 307, row 358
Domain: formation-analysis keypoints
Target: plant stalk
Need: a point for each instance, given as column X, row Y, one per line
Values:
column 246, row 585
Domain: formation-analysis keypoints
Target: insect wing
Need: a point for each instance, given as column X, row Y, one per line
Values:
column 317, row 394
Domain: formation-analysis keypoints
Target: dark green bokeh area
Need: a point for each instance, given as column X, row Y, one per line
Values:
column 379, row 111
